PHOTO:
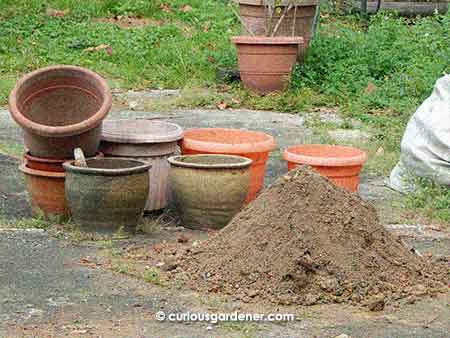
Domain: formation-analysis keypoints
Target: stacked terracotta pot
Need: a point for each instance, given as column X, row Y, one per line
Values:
column 268, row 48
column 59, row 108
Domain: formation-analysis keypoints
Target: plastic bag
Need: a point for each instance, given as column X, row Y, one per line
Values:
column 425, row 147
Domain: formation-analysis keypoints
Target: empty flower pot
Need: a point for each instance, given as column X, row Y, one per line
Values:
column 47, row 164
column 266, row 63
column 46, row 192
column 341, row 164
column 60, row 108
column 108, row 194
column 148, row 140
column 251, row 144
column 209, row 189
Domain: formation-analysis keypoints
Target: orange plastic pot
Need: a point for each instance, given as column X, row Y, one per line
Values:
column 251, row 144
column 46, row 191
column 342, row 165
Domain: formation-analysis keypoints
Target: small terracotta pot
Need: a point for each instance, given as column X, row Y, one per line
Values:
column 340, row 164
column 108, row 194
column 251, row 144
column 60, row 108
column 209, row 189
column 48, row 164
column 266, row 63
column 297, row 22
column 46, row 192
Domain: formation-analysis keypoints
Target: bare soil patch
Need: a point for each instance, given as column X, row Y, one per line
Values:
column 128, row 22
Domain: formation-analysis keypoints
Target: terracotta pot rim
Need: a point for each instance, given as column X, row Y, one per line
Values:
column 267, row 144
column 266, row 40
column 241, row 162
column 67, row 130
column 32, row 158
column 41, row 173
column 327, row 155
column 283, row 3
column 126, row 131
column 141, row 166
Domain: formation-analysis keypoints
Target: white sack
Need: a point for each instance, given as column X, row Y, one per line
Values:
column 425, row 148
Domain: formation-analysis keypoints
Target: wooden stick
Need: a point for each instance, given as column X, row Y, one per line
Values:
column 295, row 18
column 315, row 21
column 242, row 22
column 80, row 161
column 277, row 26
column 269, row 16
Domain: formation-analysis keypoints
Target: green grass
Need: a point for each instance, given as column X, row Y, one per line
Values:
column 430, row 200
column 176, row 49
column 38, row 222
column 11, row 149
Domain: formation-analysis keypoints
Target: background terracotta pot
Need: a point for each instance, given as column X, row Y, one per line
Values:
column 340, row 164
column 209, row 189
column 148, row 140
column 60, row 108
column 251, row 144
column 265, row 63
column 296, row 22
column 46, row 192
column 48, row 164
column 108, row 194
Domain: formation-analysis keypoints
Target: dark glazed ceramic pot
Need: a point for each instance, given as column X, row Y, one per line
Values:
column 108, row 194
column 209, row 189
column 60, row 108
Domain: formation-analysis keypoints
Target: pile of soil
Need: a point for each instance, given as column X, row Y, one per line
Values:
column 305, row 241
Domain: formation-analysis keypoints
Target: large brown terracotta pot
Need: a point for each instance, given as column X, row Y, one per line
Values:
column 60, row 108
column 296, row 22
column 266, row 63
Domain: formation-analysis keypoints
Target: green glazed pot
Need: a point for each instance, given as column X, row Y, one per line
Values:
column 209, row 189
column 108, row 194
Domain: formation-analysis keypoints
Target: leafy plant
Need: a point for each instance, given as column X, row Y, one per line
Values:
column 152, row 276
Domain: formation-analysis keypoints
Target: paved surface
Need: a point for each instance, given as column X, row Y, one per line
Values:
column 13, row 197
column 51, row 287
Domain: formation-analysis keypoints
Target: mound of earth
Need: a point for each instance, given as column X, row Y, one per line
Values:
column 305, row 241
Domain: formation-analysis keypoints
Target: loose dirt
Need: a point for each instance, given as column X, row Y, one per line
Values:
column 305, row 241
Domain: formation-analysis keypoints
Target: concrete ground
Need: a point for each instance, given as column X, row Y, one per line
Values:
column 54, row 284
